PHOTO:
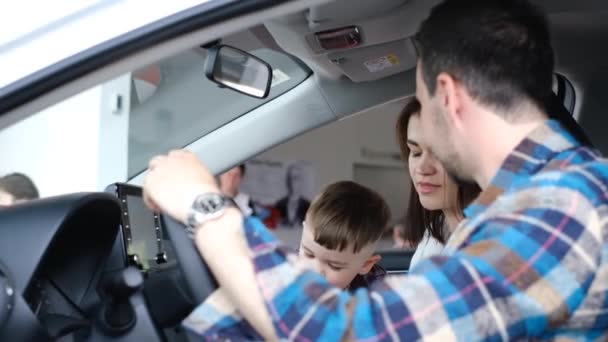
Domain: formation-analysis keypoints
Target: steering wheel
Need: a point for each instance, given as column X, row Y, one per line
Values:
column 199, row 279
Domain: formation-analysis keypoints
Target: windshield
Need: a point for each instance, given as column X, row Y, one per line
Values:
column 173, row 104
column 108, row 133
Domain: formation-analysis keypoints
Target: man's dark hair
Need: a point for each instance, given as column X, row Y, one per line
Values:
column 243, row 169
column 20, row 186
column 499, row 49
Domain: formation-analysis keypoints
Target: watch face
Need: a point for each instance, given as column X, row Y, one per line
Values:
column 210, row 203
column 208, row 207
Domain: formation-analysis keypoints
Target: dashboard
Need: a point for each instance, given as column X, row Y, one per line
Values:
column 62, row 258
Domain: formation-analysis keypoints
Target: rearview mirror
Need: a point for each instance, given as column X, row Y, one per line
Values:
column 238, row 70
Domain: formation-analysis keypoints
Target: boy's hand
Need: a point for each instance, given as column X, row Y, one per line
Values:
column 174, row 181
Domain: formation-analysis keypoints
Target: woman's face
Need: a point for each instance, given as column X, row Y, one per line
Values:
column 435, row 189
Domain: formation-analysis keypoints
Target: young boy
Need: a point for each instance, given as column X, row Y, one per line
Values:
column 341, row 231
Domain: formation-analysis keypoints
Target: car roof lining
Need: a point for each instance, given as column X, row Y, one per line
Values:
column 384, row 32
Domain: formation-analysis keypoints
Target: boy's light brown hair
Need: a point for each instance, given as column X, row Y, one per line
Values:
column 347, row 214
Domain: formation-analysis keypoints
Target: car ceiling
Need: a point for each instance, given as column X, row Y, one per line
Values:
column 383, row 29
column 579, row 30
column 388, row 25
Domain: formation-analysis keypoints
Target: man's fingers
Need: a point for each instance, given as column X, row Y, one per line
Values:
column 155, row 161
column 150, row 203
column 148, row 200
column 179, row 153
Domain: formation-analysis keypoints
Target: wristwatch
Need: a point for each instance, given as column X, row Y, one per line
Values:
column 207, row 207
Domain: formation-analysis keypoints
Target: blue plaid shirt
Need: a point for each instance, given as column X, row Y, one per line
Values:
column 530, row 261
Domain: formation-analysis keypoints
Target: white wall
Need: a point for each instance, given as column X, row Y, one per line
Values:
column 76, row 145
column 335, row 148
column 56, row 147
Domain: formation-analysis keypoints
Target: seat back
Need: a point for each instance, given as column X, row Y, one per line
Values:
column 396, row 261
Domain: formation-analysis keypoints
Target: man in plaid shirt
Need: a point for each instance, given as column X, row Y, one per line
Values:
column 529, row 262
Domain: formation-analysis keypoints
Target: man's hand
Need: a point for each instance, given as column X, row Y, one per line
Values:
column 172, row 184
column 174, row 181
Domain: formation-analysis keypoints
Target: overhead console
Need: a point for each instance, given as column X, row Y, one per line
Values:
column 360, row 39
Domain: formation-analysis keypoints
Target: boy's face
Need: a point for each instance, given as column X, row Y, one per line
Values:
column 340, row 268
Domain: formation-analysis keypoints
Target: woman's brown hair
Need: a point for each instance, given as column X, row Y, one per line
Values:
column 417, row 218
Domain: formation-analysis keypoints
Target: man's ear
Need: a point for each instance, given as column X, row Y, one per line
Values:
column 449, row 92
column 369, row 263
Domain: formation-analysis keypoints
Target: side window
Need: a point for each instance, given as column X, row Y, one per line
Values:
column 78, row 144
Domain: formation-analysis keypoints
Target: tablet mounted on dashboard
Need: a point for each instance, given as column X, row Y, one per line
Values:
column 142, row 231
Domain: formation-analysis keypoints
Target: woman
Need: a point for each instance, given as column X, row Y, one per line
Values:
column 436, row 203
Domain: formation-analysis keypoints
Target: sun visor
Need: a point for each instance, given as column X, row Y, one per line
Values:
column 375, row 62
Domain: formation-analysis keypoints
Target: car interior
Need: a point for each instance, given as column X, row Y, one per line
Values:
column 100, row 266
